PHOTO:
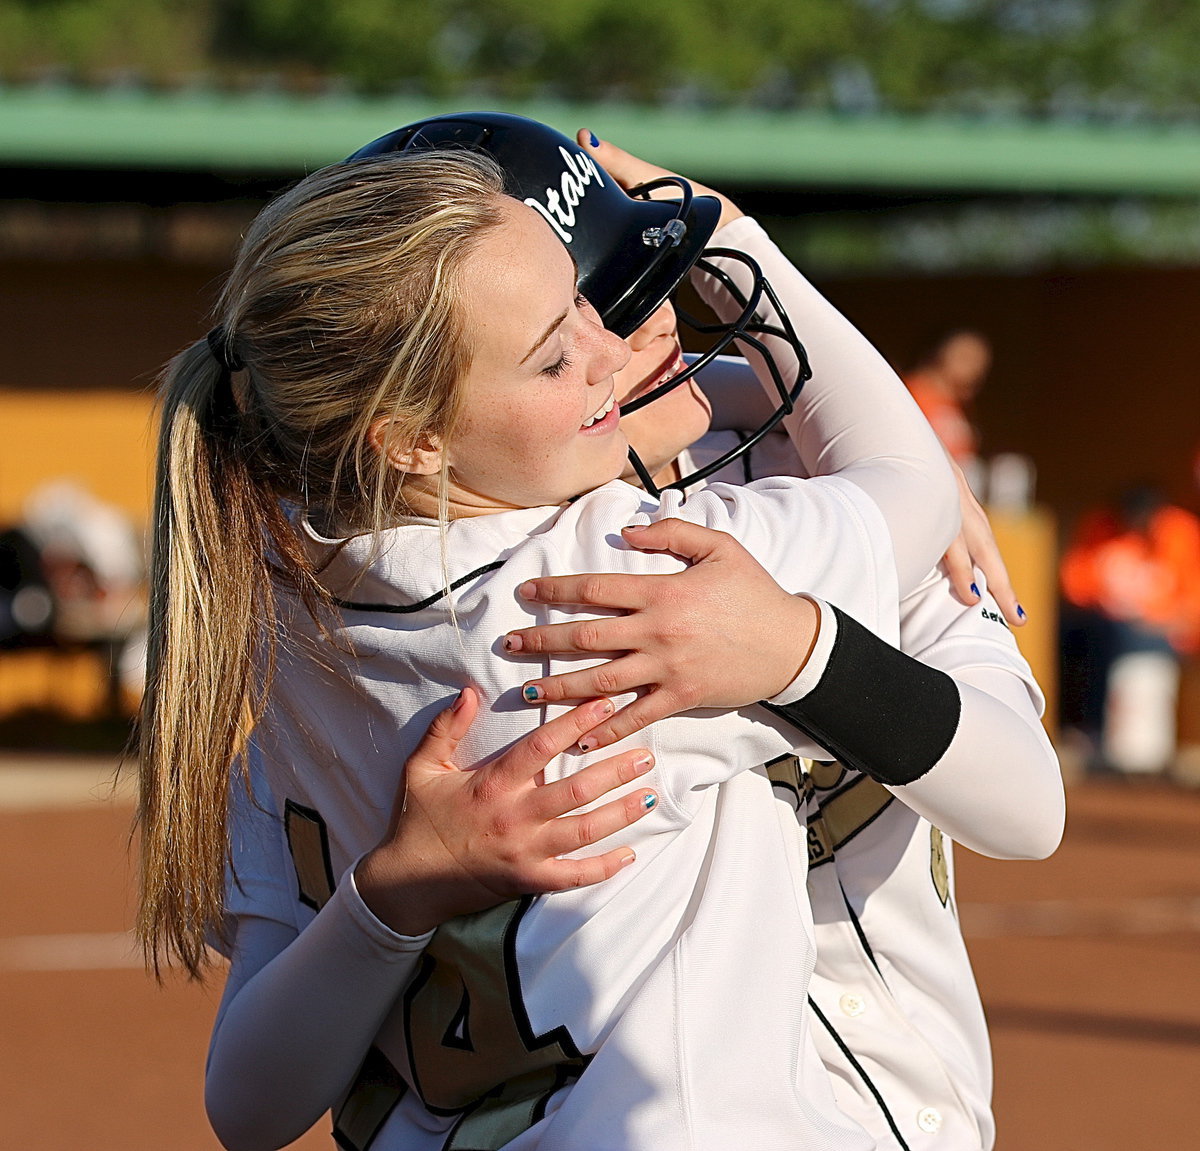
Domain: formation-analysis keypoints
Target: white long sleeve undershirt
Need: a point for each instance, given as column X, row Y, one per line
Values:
column 854, row 418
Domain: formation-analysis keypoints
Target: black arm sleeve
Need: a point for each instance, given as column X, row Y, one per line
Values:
column 878, row 710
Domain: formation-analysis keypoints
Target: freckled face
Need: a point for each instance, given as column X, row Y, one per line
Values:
column 539, row 423
column 662, row 429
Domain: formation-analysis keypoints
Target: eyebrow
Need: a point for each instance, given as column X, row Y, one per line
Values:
column 545, row 336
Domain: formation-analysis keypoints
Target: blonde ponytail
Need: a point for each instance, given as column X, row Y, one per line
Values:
column 343, row 307
column 210, row 590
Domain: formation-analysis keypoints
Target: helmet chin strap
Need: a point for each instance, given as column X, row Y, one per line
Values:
column 644, row 475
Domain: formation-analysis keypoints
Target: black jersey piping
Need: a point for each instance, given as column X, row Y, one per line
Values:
column 858, row 930
column 421, row 605
column 861, row 1071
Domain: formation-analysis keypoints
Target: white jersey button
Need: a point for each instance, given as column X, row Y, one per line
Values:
column 929, row 1119
column 852, row 1005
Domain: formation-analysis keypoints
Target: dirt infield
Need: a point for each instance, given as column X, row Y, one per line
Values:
column 1088, row 963
column 1090, row 970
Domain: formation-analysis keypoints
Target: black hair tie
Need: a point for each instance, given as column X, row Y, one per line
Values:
column 218, row 345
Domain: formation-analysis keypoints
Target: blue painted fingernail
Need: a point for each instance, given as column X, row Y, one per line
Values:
column 975, row 589
column 649, row 800
column 531, row 693
column 1020, row 612
column 592, row 140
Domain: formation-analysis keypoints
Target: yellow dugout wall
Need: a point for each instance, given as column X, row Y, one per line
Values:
column 1093, row 379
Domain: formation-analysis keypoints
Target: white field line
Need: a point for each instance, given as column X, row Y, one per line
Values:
column 31, row 784
column 94, row 951
column 1158, row 915
column 1148, row 915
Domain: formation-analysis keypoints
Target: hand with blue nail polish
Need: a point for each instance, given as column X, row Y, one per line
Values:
column 631, row 171
column 975, row 548
column 464, row 841
column 722, row 633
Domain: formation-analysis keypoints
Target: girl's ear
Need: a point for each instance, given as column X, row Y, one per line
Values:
column 422, row 458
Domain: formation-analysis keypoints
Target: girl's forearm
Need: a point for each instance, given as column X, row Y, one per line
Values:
column 297, row 1017
column 854, row 418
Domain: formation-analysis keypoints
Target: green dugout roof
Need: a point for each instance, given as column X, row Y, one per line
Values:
column 265, row 134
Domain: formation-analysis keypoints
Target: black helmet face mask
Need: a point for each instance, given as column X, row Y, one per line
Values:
column 631, row 251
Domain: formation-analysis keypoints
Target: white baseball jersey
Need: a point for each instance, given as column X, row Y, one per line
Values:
column 900, row 1025
column 632, row 976
column 898, row 1018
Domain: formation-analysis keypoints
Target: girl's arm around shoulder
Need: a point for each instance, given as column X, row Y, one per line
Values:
column 300, row 1007
column 998, row 788
column 854, row 418
column 854, row 415
column 955, row 734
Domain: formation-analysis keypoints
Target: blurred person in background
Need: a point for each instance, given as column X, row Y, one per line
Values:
column 944, row 382
column 92, row 558
column 72, row 577
column 26, row 606
column 1131, row 612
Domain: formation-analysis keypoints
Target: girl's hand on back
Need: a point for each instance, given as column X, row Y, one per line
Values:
column 629, row 172
column 722, row 633
column 462, row 841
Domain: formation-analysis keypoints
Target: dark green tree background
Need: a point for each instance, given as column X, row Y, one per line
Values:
column 1111, row 59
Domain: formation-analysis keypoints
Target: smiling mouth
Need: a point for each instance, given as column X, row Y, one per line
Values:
column 668, row 371
column 603, row 411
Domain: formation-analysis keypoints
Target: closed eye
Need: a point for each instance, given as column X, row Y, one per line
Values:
column 557, row 368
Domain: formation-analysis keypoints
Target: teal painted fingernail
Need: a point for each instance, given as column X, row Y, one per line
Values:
column 531, row 693
column 649, row 800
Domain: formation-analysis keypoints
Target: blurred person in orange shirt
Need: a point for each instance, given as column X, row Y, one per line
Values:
column 1129, row 579
column 944, row 382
